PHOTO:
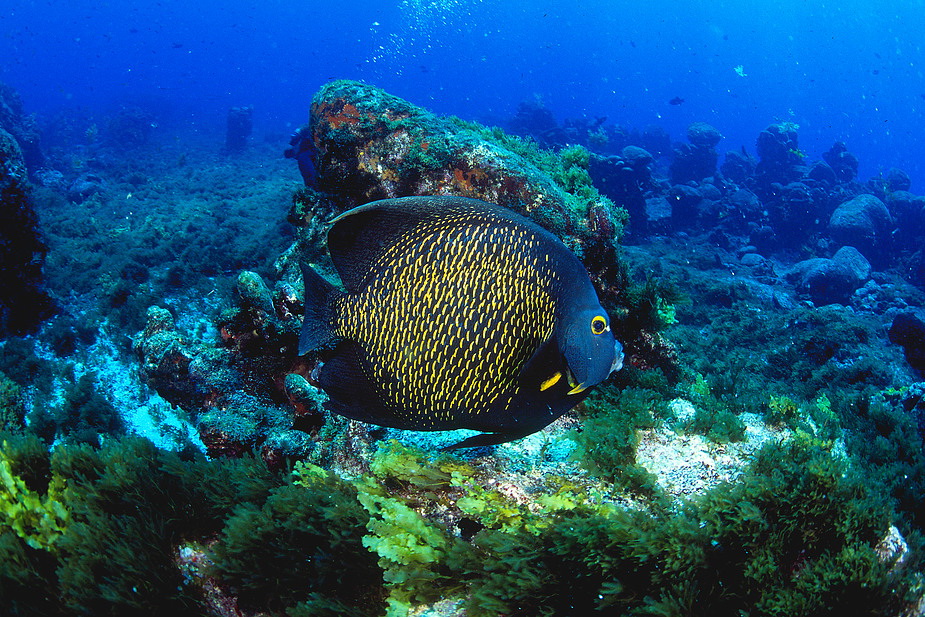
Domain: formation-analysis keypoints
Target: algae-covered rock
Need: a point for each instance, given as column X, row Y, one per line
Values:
column 703, row 135
column 908, row 330
column 370, row 145
column 831, row 281
column 254, row 293
column 232, row 394
column 863, row 222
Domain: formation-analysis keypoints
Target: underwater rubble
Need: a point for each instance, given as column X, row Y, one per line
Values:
column 760, row 453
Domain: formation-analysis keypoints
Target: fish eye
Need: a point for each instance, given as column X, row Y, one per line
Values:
column 598, row 324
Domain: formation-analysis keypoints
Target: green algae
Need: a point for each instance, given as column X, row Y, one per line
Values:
column 767, row 543
column 38, row 520
column 419, row 527
column 12, row 409
column 609, row 435
column 128, row 506
column 304, row 539
column 567, row 168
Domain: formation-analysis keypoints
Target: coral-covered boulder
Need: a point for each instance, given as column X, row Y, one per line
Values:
column 370, row 145
column 703, row 135
column 842, row 162
column 863, row 222
column 831, row 281
column 237, row 393
column 851, row 259
column 638, row 158
column 908, row 331
column 780, row 158
column 746, row 204
column 85, row 186
column 822, row 173
column 898, row 180
column 738, row 166
column 696, row 160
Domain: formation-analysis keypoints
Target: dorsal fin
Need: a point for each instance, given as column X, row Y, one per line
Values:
column 359, row 236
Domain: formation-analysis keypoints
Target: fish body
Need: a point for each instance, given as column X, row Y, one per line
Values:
column 457, row 314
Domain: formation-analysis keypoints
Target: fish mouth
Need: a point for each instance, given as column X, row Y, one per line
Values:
column 618, row 357
column 577, row 388
column 616, row 365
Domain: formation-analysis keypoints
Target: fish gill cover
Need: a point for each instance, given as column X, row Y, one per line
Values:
column 757, row 250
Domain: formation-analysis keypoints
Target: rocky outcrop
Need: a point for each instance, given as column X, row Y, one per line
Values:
column 23, row 300
column 696, row 160
column 624, row 178
column 241, row 394
column 831, row 281
column 908, row 331
column 367, row 144
column 862, row 222
column 21, row 127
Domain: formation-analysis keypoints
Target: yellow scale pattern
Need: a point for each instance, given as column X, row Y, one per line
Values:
column 450, row 315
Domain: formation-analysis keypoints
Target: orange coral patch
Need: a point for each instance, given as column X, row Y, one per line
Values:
column 348, row 114
column 469, row 181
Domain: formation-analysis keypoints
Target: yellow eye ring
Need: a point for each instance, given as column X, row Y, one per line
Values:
column 598, row 325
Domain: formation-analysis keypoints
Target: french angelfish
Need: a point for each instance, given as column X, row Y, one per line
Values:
column 457, row 314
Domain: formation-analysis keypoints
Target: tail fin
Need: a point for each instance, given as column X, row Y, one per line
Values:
column 316, row 325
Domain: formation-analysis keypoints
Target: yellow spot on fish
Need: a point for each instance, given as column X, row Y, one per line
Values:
column 550, row 382
column 578, row 389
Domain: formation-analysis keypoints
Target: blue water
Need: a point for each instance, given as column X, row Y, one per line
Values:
column 848, row 71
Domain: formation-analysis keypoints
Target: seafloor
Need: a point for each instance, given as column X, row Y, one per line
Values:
column 761, row 453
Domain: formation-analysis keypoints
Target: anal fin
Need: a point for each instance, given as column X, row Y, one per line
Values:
column 487, row 439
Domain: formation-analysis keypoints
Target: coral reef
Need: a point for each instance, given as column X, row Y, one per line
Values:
column 863, row 222
column 366, row 144
column 760, row 452
column 236, row 409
